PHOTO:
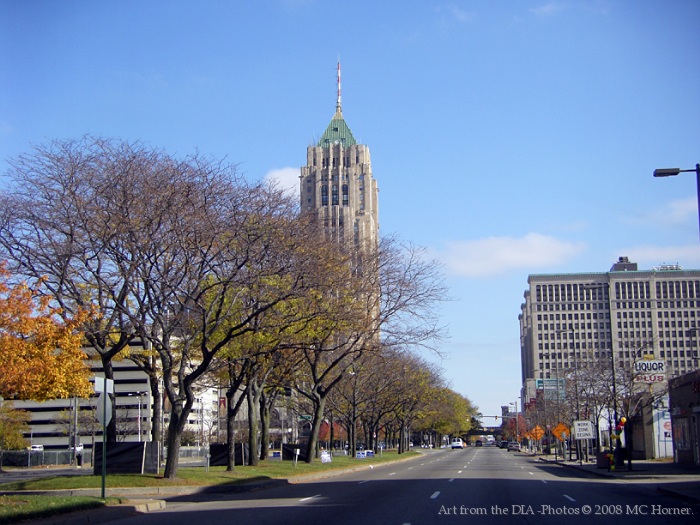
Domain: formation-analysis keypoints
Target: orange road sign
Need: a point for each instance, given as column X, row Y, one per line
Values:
column 561, row 431
column 537, row 432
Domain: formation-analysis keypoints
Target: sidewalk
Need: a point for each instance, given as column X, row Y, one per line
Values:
column 681, row 481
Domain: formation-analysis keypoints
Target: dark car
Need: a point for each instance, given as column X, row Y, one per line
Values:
column 478, row 443
column 503, row 444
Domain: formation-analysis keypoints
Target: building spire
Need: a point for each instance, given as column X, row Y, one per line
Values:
column 339, row 103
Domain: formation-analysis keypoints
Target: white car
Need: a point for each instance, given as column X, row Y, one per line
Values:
column 457, row 443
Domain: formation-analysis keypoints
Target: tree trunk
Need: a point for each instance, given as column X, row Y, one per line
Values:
column 232, row 409
column 264, row 426
column 253, row 403
column 109, row 374
column 178, row 418
column 312, row 446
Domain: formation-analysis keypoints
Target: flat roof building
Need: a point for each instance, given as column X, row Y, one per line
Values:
column 574, row 320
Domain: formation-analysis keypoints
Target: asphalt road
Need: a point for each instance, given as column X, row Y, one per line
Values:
column 475, row 485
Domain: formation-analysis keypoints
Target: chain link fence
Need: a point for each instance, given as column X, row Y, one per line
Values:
column 41, row 458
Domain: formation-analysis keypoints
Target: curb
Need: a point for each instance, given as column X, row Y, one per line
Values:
column 102, row 514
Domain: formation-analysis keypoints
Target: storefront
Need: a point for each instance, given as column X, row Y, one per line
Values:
column 684, row 392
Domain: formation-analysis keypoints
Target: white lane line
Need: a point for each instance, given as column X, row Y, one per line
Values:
column 310, row 497
column 365, row 481
column 392, row 473
column 569, row 498
column 459, row 472
column 450, row 480
column 543, row 481
column 531, row 473
column 435, row 494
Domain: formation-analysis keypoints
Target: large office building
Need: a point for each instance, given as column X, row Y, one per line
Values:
column 570, row 320
column 337, row 184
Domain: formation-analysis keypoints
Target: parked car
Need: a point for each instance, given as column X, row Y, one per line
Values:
column 478, row 443
column 36, row 448
column 503, row 444
column 457, row 443
column 513, row 446
column 78, row 449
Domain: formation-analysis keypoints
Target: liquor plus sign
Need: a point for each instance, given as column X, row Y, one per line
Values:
column 650, row 371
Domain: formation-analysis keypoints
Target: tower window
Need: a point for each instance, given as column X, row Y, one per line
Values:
column 345, row 194
column 324, row 195
column 335, row 195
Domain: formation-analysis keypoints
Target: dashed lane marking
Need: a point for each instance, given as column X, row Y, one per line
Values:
column 435, row 494
column 569, row 498
column 310, row 497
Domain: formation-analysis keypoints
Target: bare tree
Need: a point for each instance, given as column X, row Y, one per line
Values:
column 63, row 219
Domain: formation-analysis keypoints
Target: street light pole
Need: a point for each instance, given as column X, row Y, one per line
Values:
column 672, row 172
column 138, row 394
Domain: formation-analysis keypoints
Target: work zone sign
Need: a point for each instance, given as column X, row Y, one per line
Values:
column 650, row 371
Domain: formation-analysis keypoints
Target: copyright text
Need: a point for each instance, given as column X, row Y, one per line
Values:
column 565, row 510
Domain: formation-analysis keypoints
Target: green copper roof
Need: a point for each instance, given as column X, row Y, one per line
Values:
column 337, row 132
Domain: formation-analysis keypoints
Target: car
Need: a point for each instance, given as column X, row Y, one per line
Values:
column 457, row 443
column 478, row 443
column 513, row 445
column 36, row 448
column 503, row 444
column 78, row 449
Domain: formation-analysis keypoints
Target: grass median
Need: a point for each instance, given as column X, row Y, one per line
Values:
column 19, row 507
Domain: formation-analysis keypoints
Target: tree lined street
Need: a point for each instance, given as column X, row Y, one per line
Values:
column 477, row 484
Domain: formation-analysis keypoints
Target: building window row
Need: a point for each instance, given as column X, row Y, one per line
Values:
column 678, row 289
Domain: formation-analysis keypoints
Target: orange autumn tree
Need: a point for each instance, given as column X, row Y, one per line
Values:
column 40, row 354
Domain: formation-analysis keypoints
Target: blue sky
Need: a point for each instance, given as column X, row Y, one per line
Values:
column 507, row 137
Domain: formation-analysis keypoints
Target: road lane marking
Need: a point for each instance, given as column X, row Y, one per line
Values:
column 310, row 497
column 365, row 481
column 450, row 480
column 435, row 494
column 392, row 473
column 531, row 473
column 569, row 498
column 459, row 472
column 543, row 481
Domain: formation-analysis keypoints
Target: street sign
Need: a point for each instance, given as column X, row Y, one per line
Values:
column 100, row 385
column 561, row 431
column 537, row 432
column 104, row 406
column 650, row 371
column 583, row 430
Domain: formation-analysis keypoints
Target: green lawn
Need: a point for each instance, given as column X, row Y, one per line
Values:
column 20, row 507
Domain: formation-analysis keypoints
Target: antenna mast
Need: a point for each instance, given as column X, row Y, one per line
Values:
column 339, row 105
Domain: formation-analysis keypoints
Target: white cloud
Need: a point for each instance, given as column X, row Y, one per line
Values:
column 498, row 255
column 460, row 14
column 677, row 211
column 548, row 8
column 669, row 214
column 286, row 179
